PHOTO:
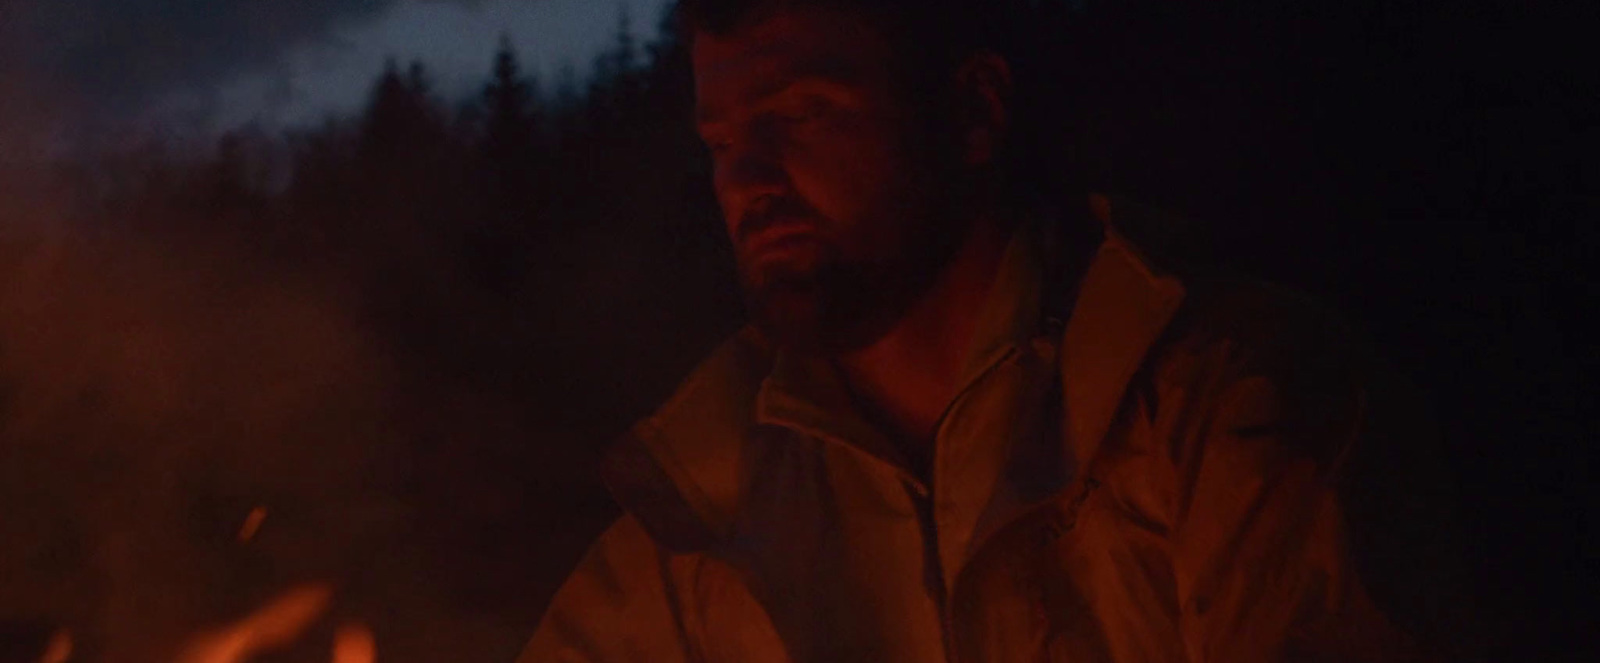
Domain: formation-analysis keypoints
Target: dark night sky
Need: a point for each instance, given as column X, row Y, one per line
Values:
column 213, row 64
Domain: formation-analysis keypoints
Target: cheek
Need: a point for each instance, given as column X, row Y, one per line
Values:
column 730, row 211
column 856, row 175
column 724, row 194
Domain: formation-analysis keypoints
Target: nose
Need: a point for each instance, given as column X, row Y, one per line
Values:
column 747, row 171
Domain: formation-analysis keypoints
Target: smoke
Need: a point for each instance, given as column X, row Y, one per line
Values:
column 159, row 390
column 166, row 376
column 149, row 395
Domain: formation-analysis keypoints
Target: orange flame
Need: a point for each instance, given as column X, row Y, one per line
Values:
column 277, row 624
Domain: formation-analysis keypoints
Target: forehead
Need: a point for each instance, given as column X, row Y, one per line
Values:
column 793, row 43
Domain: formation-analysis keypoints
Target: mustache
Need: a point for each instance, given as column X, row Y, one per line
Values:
column 775, row 211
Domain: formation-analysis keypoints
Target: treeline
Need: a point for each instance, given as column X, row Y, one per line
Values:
column 406, row 334
column 531, row 215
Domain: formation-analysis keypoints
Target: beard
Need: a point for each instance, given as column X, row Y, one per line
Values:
column 829, row 307
column 830, row 303
column 862, row 274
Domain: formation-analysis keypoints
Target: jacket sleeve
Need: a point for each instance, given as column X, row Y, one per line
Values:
column 1311, row 521
column 616, row 607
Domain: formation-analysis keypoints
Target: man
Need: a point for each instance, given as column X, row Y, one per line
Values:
column 963, row 427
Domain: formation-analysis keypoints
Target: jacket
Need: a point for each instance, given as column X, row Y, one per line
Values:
column 1171, row 470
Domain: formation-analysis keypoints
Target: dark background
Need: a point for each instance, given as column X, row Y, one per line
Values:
column 409, row 333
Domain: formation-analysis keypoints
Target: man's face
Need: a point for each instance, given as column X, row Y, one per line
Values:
column 824, row 173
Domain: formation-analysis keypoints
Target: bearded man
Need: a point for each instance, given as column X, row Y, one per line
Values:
column 966, row 425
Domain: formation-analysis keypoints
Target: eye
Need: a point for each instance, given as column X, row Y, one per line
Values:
column 804, row 111
column 716, row 144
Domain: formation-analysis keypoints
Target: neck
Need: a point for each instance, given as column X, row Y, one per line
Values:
column 906, row 379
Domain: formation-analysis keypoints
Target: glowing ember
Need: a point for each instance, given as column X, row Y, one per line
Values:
column 252, row 524
column 60, row 648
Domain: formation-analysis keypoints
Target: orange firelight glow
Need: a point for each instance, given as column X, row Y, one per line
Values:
column 278, row 624
column 252, row 524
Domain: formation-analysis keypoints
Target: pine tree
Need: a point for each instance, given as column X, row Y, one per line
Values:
column 616, row 82
column 627, row 50
column 402, row 122
column 512, row 174
column 511, row 102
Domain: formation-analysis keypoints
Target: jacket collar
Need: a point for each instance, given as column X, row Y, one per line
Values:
column 1124, row 305
column 808, row 394
column 691, row 449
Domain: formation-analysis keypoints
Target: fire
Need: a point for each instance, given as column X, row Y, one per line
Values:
column 354, row 644
column 59, row 649
column 277, row 624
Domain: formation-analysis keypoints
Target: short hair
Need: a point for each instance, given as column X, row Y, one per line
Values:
column 932, row 35
column 931, row 38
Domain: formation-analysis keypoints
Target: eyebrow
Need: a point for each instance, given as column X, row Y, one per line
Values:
column 827, row 71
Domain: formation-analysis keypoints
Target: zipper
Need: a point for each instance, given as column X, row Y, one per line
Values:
column 1046, row 348
column 943, row 594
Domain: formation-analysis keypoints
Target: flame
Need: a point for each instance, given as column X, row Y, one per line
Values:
column 277, row 624
column 354, row 644
column 59, row 650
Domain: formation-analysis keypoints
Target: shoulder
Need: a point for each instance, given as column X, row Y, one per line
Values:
column 1261, row 326
column 1261, row 385
column 1222, row 312
column 720, row 390
column 1262, row 366
column 1225, row 321
column 678, row 471
column 616, row 603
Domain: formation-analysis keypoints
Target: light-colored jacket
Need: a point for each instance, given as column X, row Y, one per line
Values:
column 1182, row 471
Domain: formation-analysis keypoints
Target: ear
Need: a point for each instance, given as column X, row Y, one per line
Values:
column 983, row 92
